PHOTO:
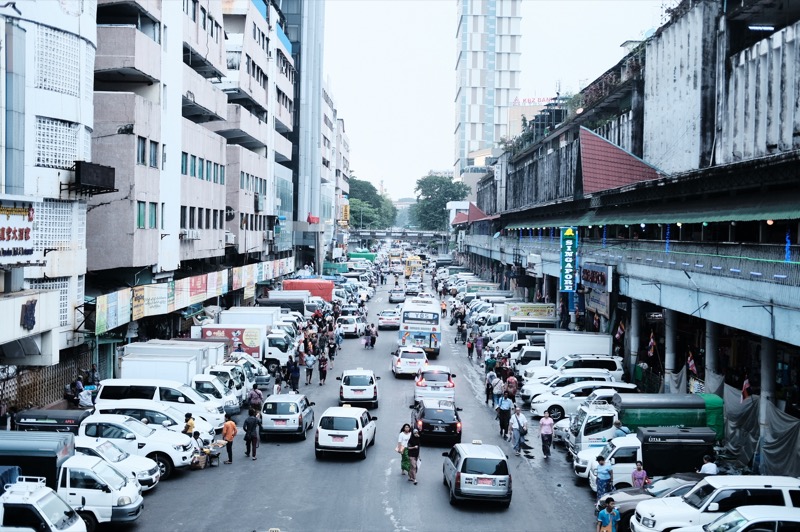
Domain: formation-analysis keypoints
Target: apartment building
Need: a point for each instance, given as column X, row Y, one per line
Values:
column 342, row 191
column 47, row 74
column 487, row 74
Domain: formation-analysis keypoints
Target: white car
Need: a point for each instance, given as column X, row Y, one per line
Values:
column 532, row 390
column 143, row 469
column 565, row 400
column 358, row 386
column 350, row 325
column 286, row 413
column 344, row 429
column 408, row 361
column 389, row 318
column 158, row 415
column 170, row 450
column 611, row 363
column 434, row 382
column 561, row 431
column 752, row 519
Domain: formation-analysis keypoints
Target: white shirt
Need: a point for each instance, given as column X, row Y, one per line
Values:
column 403, row 438
column 517, row 420
column 709, row 468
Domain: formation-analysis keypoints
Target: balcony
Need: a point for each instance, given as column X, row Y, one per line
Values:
column 124, row 54
column 148, row 7
column 283, row 83
column 283, row 148
column 242, row 128
column 283, row 119
column 202, row 101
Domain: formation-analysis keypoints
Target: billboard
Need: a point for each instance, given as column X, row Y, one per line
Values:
column 568, row 280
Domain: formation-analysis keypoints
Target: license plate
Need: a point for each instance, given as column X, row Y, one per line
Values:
column 484, row 482
column 280, row 422
column 413, row 363
column 358, row 392
column 338, row 439
column 438, row 429
column 435, row 388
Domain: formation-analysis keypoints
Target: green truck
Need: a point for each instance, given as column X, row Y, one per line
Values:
column 362, row 255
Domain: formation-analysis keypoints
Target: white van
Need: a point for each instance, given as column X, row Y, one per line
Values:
column 179, row 395
column 212, row 387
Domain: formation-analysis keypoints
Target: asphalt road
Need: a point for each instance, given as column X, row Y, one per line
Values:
column 288, row 489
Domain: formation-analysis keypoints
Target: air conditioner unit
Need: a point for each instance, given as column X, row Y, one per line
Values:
column 269, row 236
column 230, row 239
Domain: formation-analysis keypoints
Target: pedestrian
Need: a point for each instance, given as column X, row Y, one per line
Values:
column 255, row 398
column 487, row 384
column 479, row 347
column 311, row 361
column 402, row 448
column 339, row 332
column 94, row 376
column 497, row 390
column 619, row 430
column 470, row 346
column 639, row 476
column 293, row 370
column 518, row 427
column 490, row 363
column 373, row 336
column 546, row 433
column 443, row 306
column 709, row 467
column 229, row 432
column 608, row 517
column 277, row 383
column 605, row 477
column 512, row 386
column 323, row 368
column 332, row 348
column 188, row 427
column 251, row 436
column 503, row 409
column 413, row 455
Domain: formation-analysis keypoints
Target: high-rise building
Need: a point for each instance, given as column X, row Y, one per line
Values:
column 487, row 73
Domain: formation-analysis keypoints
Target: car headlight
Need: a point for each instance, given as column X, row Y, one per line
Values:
column 123, row 501
column 538, row 400
column 142, row 474
column 211, row 409
column 178, row 447
column 649, row 523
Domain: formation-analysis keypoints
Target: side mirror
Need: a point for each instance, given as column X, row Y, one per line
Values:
column 459, row 409
column 572, row 396
column 338, row 378
column 130, row 437
column 165, row 423
column 453, row 375
column 106, row 488
column 411, row 406
column 312, row 403
column 181, row 400
column 377, row 378
column 445, row 454
column 713, row 507
column 373, row 418
column 612, row 461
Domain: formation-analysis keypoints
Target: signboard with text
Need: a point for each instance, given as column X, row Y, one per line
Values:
column 568, row 280
column 532, row 311
column 17, row 232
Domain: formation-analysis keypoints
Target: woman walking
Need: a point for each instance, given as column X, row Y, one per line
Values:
column 413, row 456
column 251, row 433
column 639, row 476
column 402, row 448
column 323, row 368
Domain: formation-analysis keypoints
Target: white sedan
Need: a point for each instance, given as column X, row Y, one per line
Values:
column 389, row 319
column 408, row 361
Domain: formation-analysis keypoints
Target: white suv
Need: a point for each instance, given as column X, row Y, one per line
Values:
column 408, row 360
column 712, row 497
column 611, row 363
column 532, row 390
column 435, row 382
column 344, row 429
column 565, row 401
column 358, row 386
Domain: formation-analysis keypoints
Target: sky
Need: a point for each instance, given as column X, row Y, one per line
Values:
column 390, row 65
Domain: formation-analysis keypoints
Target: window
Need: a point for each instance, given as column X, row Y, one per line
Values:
column 216, row 173
column 140, row 214
column 191, row 217
column 200, row 218
column 625, row 455
column 153, row 216
column 170, row 395
column 215, row 219
column 208, row 218
column 183, row 217
column 200, row 169
column 153, row 154
column 141, row 146
column 203, row 17
column 208, row 170
column 184, row 163
column 193, row 11
column 241, row 180
column 211, row 25
column 163, row 206
column 222, row 174
column 193, row 166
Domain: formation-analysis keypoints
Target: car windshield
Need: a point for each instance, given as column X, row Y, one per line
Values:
column 698, row 496
column 138, row 427
column 440, row 414
column 280, row 408
column 558, row 363
column 193, row 395
column 388, row 314
column 485, row 466
column 55, row 510
column 436, row 376
column 413, row 355
column 207, row 387
column 662, row 486
column 607, row 450
column 357, row 380
column 551, row 379
column 111, row 452
column 111, row 476
column 729, row 521
column 338, row 423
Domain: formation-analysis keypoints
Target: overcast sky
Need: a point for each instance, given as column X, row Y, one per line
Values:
column 391, row 69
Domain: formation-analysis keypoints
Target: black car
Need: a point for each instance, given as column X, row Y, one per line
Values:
column 437, row 419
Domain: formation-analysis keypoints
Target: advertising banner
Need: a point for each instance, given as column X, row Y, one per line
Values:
column 182, row 293
column 17, row 233
column 138, row 303
column 155, row 299
column 197, row 289
column 597, row 276
column 237, row 278
column 248, row 337
column 569, row 260
column 124, row 299
column 212, row 285
column 598, row 301
column 101, row 315
column 532, row 311
column 170, row 296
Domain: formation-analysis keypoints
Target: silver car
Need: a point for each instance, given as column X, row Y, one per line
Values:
column 286, row 414
column 474, row 471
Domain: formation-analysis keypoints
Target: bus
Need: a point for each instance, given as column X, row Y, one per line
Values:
column 419, row 325
column 413, row 265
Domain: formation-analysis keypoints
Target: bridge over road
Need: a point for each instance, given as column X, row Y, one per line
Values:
column 407, row 235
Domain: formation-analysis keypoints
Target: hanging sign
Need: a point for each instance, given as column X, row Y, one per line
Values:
column 569, row 259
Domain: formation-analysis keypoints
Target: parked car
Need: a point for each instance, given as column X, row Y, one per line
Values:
column 565, row 401
column 350, row 326
column 752, row 519
column 143, row 469
column 158, row 415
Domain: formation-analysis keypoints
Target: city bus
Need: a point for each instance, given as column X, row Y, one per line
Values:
column 413, row 265
column 419, row 325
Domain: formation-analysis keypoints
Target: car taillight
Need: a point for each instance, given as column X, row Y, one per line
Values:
column 341, row 392
column 421, row 382
column 360, row 438
column 419, row 424
column 316, row 436
column 398, row 362
column 458, row 426
column 374, row 392
column 458, row 478
column 450, row 384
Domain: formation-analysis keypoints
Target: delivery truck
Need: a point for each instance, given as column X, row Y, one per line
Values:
column 95, row 489
column 205, row 354
column 593, row 425
column 26, row 503
column 317, row 287
column 272, row 349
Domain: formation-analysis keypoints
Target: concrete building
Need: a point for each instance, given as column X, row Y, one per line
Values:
column 305, row 25
column 487, row 74
column 48, row 118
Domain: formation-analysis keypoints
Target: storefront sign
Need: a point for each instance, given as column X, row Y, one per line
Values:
column 138, row 303
column 534, row 267
column 17, row 232
column 181, row 293
column 598, row 301
column 532, row 311
column 597, row 276
column 249, row 338
column 569, row 259
column 197, row 289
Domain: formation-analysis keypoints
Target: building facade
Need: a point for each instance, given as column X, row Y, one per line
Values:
column 488, row 37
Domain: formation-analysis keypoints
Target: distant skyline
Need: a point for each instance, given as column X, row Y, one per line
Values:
column 391, row 70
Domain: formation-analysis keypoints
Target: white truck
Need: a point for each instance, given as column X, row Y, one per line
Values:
column 560, row 343
column 213, row 352
column 26, row 503
column 271, row 348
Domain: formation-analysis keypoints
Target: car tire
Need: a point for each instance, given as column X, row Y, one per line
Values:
column 304, row 433
column 164, row 464
column 505, row 504
column 319, row 455
column 452, row 497
column 363, row 454
column 625, row 522
column 374, row 437
column 556, row 412
column 89, row 520
column 375, row 404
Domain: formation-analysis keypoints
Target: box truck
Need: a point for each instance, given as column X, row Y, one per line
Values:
column 316, row 287
column 271, row 349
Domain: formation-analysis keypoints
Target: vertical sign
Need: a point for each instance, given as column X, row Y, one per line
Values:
column 569, row 258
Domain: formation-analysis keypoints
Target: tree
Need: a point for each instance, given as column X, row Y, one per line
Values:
column 433, row 194
column 362, row 214
column 364, row 191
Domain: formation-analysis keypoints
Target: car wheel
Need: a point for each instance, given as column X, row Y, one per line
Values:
column 304, row 433
column 363, row 454
column 625, row 521
column 164, row 464
column 90, row 520
column 318, row 454
column 444, row 478
column 375, row 404
column 374, row 437
column 453, row 500
column 505, row 504
column 556, row 412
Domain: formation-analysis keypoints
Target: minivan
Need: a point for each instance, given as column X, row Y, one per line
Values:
column 183, row 397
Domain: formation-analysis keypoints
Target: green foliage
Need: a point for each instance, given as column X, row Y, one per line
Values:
column 383, row 211
column 433, row 194
column 362, row 214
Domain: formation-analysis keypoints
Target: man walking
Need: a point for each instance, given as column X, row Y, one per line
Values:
column 251, row 433
column 546, row 433
column 229, row 431
column 608, row 517
column 518, row 426
column 504, row 414
column 310, row 361
column 488, row 385
column 255, row 398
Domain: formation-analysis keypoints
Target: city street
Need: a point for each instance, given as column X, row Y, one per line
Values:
column 288, row 489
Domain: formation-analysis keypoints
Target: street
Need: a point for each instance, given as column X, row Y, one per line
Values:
column 288, row 489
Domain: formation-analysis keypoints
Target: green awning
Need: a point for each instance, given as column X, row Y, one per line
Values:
column 716, row 210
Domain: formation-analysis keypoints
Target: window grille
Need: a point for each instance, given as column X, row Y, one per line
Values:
column 54, row 221
column 57, row 142
column 57, row 60
column 62, row 285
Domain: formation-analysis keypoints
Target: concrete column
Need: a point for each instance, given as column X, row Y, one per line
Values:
column 671, row 326
column 768, row 363
column 712, row 346
column 634, row 335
